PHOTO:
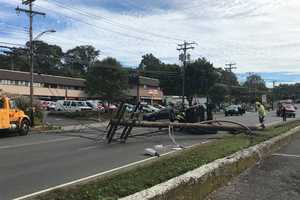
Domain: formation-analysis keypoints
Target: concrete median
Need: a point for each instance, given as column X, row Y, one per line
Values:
column 197, row 184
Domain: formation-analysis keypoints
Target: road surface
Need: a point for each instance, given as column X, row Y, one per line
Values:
column 276, row 178
column 39, row 161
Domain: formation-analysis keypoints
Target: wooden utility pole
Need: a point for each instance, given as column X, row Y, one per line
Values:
column 183, row 57
column 273, row 93
column 230, row 67
column 30, row 14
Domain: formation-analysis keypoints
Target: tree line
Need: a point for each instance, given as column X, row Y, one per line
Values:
column 109, row 79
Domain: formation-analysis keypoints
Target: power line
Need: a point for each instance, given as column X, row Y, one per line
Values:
column 14, row 26
column 99, row 27
column 109, row 21
column 14, row 44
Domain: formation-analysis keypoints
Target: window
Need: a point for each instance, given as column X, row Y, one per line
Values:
column 66, row 103
column 74, row 104
column 81, row 104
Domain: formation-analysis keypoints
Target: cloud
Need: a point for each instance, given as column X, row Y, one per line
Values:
column 258, row 35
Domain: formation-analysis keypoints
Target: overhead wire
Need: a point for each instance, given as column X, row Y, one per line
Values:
column 115, row 23
column 14, row 26
column 14, row 44
column 98, row 27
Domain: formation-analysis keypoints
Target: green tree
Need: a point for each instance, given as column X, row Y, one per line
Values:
column 107, row 79
column 228, row 78
column 78, row 60
column 47, row 58
column 150, row 62
column 15, row 59
column 255, row 82
column 200, row 77
column 169, row 75
column 218, row 93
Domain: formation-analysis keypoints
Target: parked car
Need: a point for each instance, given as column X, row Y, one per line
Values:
column 160, row 107
column 159, row 115
column 95, row 106
column 129, row 107
column 289, row 107
column 152, row 108
column 109, row 107
column 71, row 106
column 234, row 110
column 43, row 104
column 51, row 106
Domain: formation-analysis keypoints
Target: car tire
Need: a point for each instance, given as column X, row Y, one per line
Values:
column 24, row 128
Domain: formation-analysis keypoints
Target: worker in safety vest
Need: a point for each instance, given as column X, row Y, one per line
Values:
column 261, row 113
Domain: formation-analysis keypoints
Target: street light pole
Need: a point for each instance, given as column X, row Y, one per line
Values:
column 31, row 61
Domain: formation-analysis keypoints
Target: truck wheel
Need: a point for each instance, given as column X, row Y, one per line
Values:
column 24, row 128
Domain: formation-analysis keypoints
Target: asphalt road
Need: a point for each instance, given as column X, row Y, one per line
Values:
column 39, row 161
column 276, row 178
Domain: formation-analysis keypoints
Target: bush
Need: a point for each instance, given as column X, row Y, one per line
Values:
column 23, row 103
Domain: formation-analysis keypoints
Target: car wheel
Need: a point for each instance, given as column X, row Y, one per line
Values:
column 24, row 128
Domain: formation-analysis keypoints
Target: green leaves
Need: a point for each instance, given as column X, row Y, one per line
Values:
column 107, row 79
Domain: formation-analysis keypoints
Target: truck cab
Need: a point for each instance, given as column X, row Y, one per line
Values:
column 12, row 119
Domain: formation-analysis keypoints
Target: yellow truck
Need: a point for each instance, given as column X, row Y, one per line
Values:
column 12, row 119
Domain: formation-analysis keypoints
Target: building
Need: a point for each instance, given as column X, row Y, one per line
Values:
column 149, row 90
column 59, row 87
column 45, row 86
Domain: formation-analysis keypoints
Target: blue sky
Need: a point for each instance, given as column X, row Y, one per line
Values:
column 261, row 36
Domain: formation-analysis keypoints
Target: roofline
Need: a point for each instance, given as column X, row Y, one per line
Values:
column 81, row 79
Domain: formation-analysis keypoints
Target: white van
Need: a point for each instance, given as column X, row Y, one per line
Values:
column 71, row 106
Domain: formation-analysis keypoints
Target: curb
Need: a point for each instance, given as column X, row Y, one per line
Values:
column 197, row 184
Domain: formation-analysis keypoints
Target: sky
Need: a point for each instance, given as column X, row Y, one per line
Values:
column 260, row 36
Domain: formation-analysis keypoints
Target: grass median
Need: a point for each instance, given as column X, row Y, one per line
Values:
column 142, row 177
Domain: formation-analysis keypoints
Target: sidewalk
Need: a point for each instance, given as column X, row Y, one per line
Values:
column 276, row 178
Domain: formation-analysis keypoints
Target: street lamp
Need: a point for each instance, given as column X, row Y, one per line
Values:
column 44, row 32
column 31, row 70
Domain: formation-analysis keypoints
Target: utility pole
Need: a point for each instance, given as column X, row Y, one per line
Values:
column 229, row 69
column 273, row 93
column 138, row 87
column 30, row 14
column 183, row 57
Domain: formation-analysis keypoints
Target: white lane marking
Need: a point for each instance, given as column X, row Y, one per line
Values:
column 35, row 143
column 95, row 175
column 286, row 155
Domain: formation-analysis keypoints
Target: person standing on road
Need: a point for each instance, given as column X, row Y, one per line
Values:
column 261, row 114
column 283, row 113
